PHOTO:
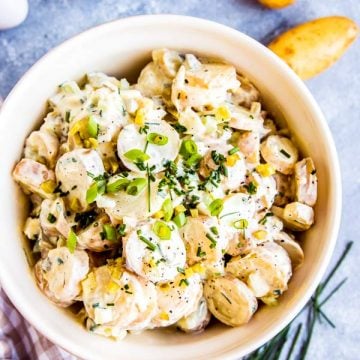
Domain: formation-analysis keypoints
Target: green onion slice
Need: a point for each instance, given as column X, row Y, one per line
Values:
column 136, row 155
column 216, row 207
column 188, row 148
column 157, row 139
column 71, row 241
column 92, row 193
column 92, row 127
column 117, row 185
column 110, row 232
column 241, row 224
column 161, row 230
column 180, row 219
column 168, row 209
column 193, row 159
column 136, row 186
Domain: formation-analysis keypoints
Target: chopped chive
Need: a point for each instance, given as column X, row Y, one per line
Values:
column 227, row 299
column 199, row 252
column 212, row 240
column 233, row 151
column 285, row 153
column 184, row 281
column 251, row 188
column 51, row 218
column 181, row 270
column 121, row 229
column 149, row 244
column 95, row 305
column 67, row 116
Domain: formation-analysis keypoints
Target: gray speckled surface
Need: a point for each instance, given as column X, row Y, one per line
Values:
column 337, row 91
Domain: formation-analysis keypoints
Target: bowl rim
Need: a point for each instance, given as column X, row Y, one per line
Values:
column 233, row 353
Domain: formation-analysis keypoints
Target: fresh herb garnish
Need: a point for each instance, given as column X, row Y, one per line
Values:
column 121, row 229
column 285, row 153
column 51, row 218
column 136, row 186
column 149, row 244
column 157, row 139
column 199, row 252
column 264, row 219
column 212, row 240
column 161, row 230
column 136, row 155
column 233, row 150
column 216, row 207
column 251, row 188
column 179, row 128
column 71, row 241
column 184, row 281
column 110, row 232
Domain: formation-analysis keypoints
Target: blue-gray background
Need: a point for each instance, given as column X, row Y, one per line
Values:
column 337, row 91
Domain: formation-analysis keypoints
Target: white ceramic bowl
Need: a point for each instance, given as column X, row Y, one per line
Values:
column 121, row 48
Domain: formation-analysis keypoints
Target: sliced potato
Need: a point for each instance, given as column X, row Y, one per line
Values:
column 59, row 274
column 266, row 270
column 116, row 297
column 276, row 4
column 53, row 219
column 230, row 300
column 158, row 154
column 177, row 299
column 296, row 216
column 91, row 238
column 293, row 248
column 197, row 320
column 31, row 174
column 76, row 170
column 42, row 146
column 306, row 182
column 202, row 245
column 280, row 153
column 154, row 250
column 312, row 47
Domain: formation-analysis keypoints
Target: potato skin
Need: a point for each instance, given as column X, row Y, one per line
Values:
column 312, row 47
column 276, row 4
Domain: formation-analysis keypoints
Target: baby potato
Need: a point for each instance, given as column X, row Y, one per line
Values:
column 230, row 300
column 276, row 4
column 312, row 47
column 197, row 320
column 280, row 152
column 60, row 273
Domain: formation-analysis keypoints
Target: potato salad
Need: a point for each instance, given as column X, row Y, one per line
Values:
column 167, row 202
